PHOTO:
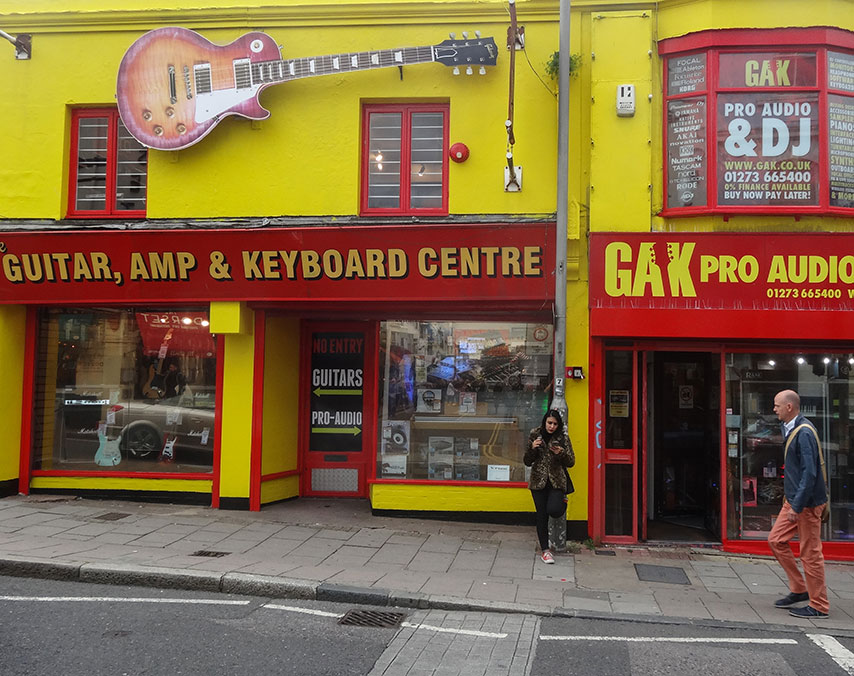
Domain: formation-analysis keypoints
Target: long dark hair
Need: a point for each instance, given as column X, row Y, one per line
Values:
column 551, row 413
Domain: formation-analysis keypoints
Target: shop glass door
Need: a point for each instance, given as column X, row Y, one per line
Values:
column 620, row 447
column 338, row 388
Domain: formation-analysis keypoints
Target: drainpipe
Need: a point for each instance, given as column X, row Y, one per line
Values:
column 557, row 526
column 562, row 215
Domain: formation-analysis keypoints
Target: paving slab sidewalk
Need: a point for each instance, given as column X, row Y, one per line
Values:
column 337, row 550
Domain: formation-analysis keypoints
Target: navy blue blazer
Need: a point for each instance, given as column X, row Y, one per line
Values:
column 803, row 482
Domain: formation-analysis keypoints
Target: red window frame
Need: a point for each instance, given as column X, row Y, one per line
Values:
column 112, row 167
column 406, row 111
column 713, row 44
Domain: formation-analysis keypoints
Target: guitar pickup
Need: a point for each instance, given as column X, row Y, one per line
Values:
column 173, row 91
column 187, row 82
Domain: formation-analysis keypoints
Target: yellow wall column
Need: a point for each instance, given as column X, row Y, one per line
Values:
column 233, row 323
column 621, row 151
column 13, row 325
column 280, row 450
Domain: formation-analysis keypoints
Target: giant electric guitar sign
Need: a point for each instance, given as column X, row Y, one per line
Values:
column 174, row 85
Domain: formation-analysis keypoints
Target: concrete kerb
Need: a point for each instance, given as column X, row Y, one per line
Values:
column 288, row 588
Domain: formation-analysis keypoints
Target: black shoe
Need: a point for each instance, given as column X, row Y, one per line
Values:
column 807, row 613
column 791, row 599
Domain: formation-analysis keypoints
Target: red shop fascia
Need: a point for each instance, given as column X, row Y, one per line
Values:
column 713, row 292
column 483, row 270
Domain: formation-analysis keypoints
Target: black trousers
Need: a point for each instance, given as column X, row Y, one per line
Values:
column 548, row 502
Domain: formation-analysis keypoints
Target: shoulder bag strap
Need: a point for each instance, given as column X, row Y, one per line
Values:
column 817, row 441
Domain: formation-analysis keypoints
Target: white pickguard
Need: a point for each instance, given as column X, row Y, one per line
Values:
column 214, row 104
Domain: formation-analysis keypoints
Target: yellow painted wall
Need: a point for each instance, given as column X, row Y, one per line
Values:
column 120, row 484
column 13, row 320
column 236, row 430
column 285, row 165
column 441, row 498
column 281, row 406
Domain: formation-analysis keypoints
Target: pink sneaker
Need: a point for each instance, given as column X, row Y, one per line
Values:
column 547, row 557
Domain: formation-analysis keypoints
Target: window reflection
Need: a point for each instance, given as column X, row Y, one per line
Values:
column 754, row 440
column 123, row 389
column 457, row 399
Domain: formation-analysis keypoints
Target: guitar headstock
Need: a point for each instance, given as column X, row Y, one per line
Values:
column 467, row 51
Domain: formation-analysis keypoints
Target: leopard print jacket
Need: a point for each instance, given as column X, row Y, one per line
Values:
column 546, row 465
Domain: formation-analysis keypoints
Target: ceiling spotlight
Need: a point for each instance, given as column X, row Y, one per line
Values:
column 205, row 322
column 771, row 362
column 801, row 360
column 826, row 360
column 186, row 321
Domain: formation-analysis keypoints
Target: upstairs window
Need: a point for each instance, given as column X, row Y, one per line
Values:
column 404, row 160
column 759, row 121
column 109, row 168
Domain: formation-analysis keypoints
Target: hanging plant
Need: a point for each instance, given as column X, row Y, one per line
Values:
column 552, row 65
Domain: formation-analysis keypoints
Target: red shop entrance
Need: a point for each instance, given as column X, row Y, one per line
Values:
column 659, row 441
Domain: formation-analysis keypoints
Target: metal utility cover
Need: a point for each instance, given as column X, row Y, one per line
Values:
column 372, row 618
column 668, row 574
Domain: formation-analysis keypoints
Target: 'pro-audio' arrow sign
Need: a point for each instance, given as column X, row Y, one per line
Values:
column 336, row 430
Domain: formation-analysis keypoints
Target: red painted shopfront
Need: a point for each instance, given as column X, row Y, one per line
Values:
column 692, row 335
column 348, row 331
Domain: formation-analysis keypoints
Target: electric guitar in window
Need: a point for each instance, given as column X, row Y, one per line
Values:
column 174, row 85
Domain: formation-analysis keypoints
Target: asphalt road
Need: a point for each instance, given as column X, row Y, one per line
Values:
column 597, row 648
column 49, row 628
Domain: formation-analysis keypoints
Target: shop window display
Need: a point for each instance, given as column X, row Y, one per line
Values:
column 125, row 390
column 457, row 399
column 754, row 441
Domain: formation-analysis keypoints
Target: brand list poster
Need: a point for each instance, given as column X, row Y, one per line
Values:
column 337, row 374
column 686, row 152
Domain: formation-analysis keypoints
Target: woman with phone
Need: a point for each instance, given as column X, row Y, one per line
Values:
column 549, row 454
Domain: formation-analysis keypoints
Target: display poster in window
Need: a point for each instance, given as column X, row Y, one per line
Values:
column 618, row 404
column 840, row 71
column 686, row 152
column 840, row 141
column 337, row 368
column 767, row 70
column 686, row 74
column 768, row 149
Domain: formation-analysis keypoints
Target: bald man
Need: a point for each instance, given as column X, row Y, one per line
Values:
column 806, row 495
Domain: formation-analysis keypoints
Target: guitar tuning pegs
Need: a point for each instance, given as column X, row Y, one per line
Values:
column 482, row 70
column 468, row 70
column 453, row 36
column 456, row 70
column 465, row 35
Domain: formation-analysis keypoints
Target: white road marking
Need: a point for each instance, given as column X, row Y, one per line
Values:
column 115, row 599
column 673, row 639
column 840, row 654
column 443, row 630
column 306, row 611
column 410, row 625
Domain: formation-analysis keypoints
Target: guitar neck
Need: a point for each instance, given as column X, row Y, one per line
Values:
column 294, row 69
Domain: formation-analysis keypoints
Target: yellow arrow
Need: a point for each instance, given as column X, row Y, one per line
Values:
column 320, row 392
column 336, row 430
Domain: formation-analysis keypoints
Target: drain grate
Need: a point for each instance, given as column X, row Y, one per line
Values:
column 372, row 618
column 604, row 552
column 112, row 516
column 210, row 553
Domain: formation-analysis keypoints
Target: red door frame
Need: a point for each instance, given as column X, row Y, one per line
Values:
column 365, row 460
column 637, row 455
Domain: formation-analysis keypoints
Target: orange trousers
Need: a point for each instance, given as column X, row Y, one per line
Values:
column 808, row 530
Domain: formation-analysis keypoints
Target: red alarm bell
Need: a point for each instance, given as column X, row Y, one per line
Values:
column 459, row 152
